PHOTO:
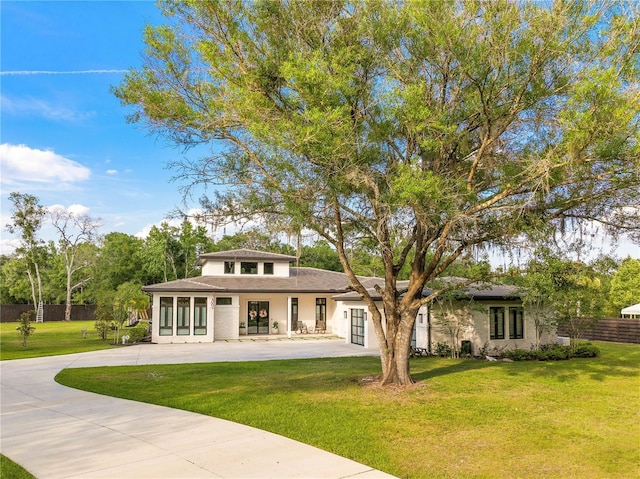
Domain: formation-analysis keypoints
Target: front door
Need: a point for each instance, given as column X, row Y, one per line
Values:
column 258, row 320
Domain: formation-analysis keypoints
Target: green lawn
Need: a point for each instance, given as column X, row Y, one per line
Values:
column 464, row 418
column 11, row 470
column 50, row 339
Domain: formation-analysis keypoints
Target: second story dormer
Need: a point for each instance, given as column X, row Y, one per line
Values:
column 245, row 262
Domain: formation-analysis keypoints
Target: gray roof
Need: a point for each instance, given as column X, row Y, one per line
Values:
column 300, row 280
column 246, row 254
column 476, row 291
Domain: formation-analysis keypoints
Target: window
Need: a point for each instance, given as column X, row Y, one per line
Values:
column 224, row 301
column 357, row 326
column 183, row 316
column 268, row 268
column 229, row 267
column 321, row 309
column 166, row 316
column 294, row 313
column 496, row 322
column 200, row 316
column 516, row 322
column 247, row 267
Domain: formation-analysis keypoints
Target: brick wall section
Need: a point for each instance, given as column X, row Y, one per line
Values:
column 52, row 312
column 617, row 330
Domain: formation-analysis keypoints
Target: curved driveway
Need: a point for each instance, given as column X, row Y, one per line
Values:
column 58, row 432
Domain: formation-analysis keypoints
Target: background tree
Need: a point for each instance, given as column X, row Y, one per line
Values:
column 74, row 231
column 320, row 255
column 625, row 286
column 431, row 127
column 252, row 239
column 563, row 292
column 160, row 253
column 119, row 261
column 27, row 215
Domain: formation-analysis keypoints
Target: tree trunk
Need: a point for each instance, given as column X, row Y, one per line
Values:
column 396, row 368
column 67, row 309
column 33, row 290
column 395, row 354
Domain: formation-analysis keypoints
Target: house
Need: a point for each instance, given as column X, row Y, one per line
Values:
column 252, row 288
column 631, row 311
column 258, row 289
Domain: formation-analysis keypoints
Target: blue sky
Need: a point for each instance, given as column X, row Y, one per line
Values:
column 64, row 136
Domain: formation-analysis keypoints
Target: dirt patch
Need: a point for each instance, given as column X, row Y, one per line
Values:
column 373, row 382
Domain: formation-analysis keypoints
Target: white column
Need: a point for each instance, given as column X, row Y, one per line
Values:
column 288, row 316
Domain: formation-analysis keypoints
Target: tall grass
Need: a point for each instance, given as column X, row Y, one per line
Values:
column 463, row 418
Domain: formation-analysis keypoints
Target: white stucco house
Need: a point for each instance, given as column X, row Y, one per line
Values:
column 257, row 289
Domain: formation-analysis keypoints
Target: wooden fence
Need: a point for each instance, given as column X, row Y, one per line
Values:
column 52, row 312
column 617, row 330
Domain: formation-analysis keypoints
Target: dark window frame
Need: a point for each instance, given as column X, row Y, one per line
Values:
column 229, row 267
column 166, row 316
column 516, row 322
column 183, row 316
column 248, row 267
column 496, row 322
column 224, row 301
column 268, row 268
column 199, row 316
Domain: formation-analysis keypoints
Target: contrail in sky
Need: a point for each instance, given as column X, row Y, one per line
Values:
column 49, row 72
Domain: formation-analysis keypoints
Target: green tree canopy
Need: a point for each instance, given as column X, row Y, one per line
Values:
column 429, row 127
column 625, row 285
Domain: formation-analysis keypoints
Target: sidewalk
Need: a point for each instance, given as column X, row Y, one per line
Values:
column 58, row 432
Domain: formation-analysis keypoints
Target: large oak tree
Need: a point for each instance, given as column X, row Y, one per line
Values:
column 428, row 127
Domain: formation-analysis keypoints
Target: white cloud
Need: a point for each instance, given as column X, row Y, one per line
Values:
column 30, row 106
column 19, row 163
column 54, row 72
column 112, row 172
column 8, row 246
column 75, row 209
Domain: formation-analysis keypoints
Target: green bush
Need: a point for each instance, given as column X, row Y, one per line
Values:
column 520, row 355
column 103, row 326
column 553, row 352
column 443, row 350
column 586, row 350
column 137, row 333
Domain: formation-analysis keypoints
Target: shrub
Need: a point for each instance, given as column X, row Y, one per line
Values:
column 138, row 333
column 586, row 350
column 443, row 350
column 520, row 355
column 25, row 329
column 554, row 353
column 103, row 326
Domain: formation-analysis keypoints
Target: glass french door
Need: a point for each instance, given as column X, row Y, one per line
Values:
column 357, row 326
column 258, row 320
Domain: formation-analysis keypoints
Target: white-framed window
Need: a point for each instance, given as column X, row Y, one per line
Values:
column 166, row 316
column 199, row 316
column 184, row 316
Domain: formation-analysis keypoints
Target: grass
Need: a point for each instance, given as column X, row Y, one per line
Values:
column 11, row 470
column 50, row 339
column 464, row 418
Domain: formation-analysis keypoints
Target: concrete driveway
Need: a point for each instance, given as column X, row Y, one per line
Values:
column 58, row 432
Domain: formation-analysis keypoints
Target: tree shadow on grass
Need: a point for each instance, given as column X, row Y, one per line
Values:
column 597, row 369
